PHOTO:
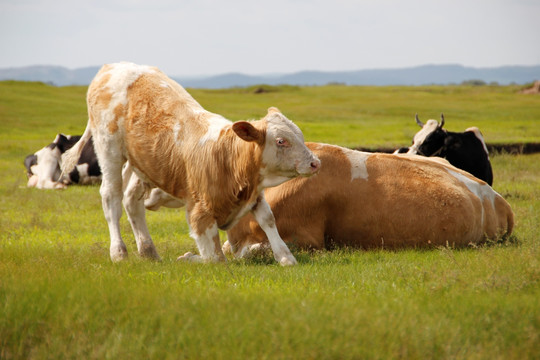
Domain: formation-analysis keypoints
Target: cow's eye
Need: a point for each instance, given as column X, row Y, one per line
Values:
column 282, row 142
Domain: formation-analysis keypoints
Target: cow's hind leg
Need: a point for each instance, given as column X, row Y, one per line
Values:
column 111, row 161
column 134, row 205
column 111, row 198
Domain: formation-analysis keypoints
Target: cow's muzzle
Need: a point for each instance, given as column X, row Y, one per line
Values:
column 314, row 167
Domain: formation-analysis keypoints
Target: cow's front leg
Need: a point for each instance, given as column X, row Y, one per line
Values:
column 265, row 218
column 204, row 230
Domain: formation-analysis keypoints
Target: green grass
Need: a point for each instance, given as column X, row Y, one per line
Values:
column 349, row 116
column 61, row 297
column 384, row 116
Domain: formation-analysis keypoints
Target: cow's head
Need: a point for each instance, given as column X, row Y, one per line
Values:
column 44, row 171
column 430, row 140
column 284, row 155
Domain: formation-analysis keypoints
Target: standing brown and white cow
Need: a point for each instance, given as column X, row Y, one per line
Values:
column 369, row 200
column 218, row 168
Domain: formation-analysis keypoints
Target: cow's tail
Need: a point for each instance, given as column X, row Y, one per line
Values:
column 506, row 218
column 509, row 222
column 71, row 157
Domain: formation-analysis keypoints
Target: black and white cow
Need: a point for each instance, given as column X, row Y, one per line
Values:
column 466, row 150
column 43, row 167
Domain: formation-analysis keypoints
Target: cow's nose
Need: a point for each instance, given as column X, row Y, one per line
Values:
column 315, row 166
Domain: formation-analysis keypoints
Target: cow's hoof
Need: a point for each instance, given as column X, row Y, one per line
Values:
column 189, row 257
column 32, row 181
column 258, row 250
column 227, row 248
column 288, row 261
column 60, row 186
column 149, row 252
column 151, row 256
column 118, row 254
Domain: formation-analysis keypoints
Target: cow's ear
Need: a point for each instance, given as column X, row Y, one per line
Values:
column 61, row 142
column 272, row 110
column 60, row 138
column 246, row 131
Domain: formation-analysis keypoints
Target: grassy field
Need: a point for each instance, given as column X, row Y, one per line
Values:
column 61, row 297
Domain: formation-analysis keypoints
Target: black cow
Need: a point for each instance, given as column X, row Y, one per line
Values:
column 43, row 167
column 466, row 150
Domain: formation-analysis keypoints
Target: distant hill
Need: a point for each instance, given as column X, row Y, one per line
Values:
column 56, row 75
column 420, row 75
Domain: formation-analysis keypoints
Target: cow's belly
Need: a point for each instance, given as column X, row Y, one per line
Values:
column 156, row 167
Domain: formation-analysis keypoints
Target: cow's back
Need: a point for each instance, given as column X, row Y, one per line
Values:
column 153, row 117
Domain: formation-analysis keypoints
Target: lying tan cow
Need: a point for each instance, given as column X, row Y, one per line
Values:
column 368, row 200
column 219, row 169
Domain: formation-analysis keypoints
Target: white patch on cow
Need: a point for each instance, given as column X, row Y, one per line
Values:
column 84, row 176
column 282, row 164
column 281, row 123
column 176, row 131
column 265, row 218
column 479, row 136
column 83, row 170
column 215, row 124
column 429, row 127
column 227, row 248
column 164, row 84
column 358, row 163
column 122, row 76
column 205, row 242
column 480, row 189
column 32, row 181
column 47, row 168
column 250, row 250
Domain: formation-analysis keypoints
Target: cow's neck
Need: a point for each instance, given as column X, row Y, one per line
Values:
column 233, row 175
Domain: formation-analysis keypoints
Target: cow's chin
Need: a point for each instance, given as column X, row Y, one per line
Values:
column 281, row 176
column 305, row 172
column 299, row 173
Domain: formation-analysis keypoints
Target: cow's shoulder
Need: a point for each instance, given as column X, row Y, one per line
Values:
column 337, row 159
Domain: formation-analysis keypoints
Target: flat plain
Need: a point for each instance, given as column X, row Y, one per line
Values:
column 61, row 297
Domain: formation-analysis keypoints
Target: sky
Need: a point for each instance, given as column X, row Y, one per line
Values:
column 203, row 37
